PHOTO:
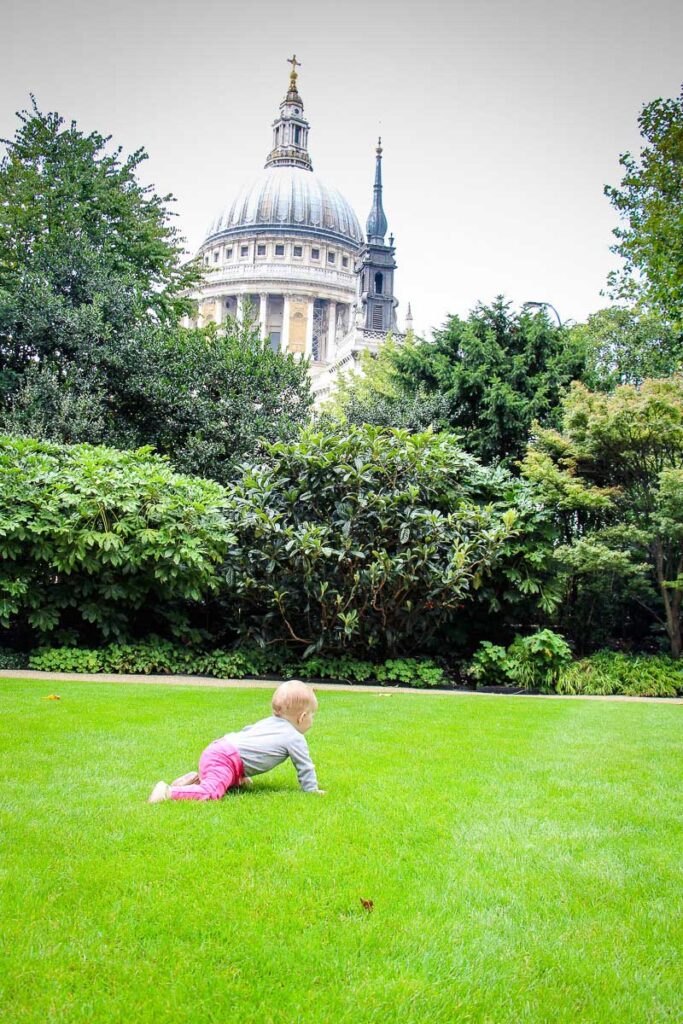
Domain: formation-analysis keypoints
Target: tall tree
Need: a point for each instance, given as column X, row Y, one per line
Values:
column 614, row 475
column 486, row 378
column 86, row 251
column 624, row 345
column 650, row 201
column 206, row 398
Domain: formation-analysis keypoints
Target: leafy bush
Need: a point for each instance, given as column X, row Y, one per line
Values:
column 608, row 672
column 491, row 665
column 157, row 656
column 536, row 661
column 360, row 540
column 93, row 535
column 12, row 659
column 530, row 662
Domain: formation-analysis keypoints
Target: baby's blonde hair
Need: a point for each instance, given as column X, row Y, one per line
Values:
column 293, row 697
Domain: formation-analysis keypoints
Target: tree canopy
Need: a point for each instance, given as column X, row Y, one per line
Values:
column 486, row 378
column 650, row 201
column 614, row 475
column 627, row 344
column 92, row 290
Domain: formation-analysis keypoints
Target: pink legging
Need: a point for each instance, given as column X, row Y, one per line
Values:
column 220, row 768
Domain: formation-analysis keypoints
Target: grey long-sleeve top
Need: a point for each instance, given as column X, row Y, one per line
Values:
column 268, row 743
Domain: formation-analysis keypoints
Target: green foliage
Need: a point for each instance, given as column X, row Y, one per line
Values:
column 614, row 475
column 95, row 536
column 486, row 378
column 92, row 289
column 157, row 656
column 627, row 345
column 650, row 201
column 608, row 672
column 12, row 659
column 531, row 662
column 207, row 398
column 536, row 661
column 86, row 251
column 69, row 406
column 358, row 541
column 377, row 395
column 491, row 665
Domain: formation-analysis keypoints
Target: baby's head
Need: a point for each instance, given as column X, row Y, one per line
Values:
column 297, row 703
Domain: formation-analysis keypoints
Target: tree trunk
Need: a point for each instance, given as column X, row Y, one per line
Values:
column 672, row 603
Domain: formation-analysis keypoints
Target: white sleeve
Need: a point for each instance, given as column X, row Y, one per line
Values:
column 305, row 769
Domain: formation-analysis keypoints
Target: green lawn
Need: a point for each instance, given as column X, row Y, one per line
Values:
column 525, row 859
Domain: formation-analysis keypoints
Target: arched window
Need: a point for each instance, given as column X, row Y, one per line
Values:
column 379, row 284
column 297, row 135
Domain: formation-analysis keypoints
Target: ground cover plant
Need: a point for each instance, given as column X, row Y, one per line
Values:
column 521, row 856
column 155, row 656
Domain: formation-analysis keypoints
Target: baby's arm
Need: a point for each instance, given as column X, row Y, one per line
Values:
column 305, row 769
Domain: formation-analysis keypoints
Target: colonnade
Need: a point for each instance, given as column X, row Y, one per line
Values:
column 294, row 322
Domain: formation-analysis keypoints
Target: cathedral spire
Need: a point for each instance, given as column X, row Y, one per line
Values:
column 376, row 225
column 290, row 129
column 375, row 268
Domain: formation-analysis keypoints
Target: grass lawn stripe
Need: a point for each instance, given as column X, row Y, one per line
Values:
column 523, row 858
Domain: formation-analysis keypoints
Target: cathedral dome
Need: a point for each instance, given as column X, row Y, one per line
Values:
column 289, row 200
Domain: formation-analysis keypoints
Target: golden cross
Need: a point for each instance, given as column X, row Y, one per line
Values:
column 295, row 64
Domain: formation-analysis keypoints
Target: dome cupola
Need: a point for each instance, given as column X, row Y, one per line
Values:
column 290, row 129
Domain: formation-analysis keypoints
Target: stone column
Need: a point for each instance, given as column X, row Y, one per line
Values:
column 263, row 316
column 331, row 330
column 240, row 309
column 284, row 337
column 309, row 329
column 218, row 310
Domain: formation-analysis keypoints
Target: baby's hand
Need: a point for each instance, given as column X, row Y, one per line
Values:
column 320, row 792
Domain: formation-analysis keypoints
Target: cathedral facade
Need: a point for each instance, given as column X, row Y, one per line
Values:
column 289, row 254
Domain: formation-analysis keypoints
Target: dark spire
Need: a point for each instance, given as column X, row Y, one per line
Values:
column 376, row 226
column 290, row 129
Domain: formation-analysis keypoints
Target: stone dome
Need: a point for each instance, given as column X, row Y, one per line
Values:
column 288, row 200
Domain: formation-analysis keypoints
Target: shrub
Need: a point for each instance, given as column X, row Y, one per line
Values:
column 12, row 659
column 356, row 541
column 536, row 661
column 530, row 662
column 608, row 672
column 157, row 656
column 93, row 535
column 491, row 665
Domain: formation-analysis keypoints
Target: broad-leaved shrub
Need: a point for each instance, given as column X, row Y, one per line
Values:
column 94, row 535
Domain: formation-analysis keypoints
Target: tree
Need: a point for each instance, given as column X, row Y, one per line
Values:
column 486, row 378
column 650, row 201
column 206, row 398
column 209, row 398
column 624, row 345
column 614, row 475
column 86, row 251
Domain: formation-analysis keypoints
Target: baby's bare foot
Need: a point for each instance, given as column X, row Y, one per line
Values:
column 161, row 792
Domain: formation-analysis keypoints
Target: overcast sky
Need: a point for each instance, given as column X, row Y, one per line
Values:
column 501, row 121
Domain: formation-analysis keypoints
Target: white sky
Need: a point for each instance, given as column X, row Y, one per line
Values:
column 501, row 121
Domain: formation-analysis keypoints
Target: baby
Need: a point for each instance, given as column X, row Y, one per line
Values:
column 232, row 760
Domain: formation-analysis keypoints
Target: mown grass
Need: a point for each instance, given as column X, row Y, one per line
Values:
column 523, row 856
